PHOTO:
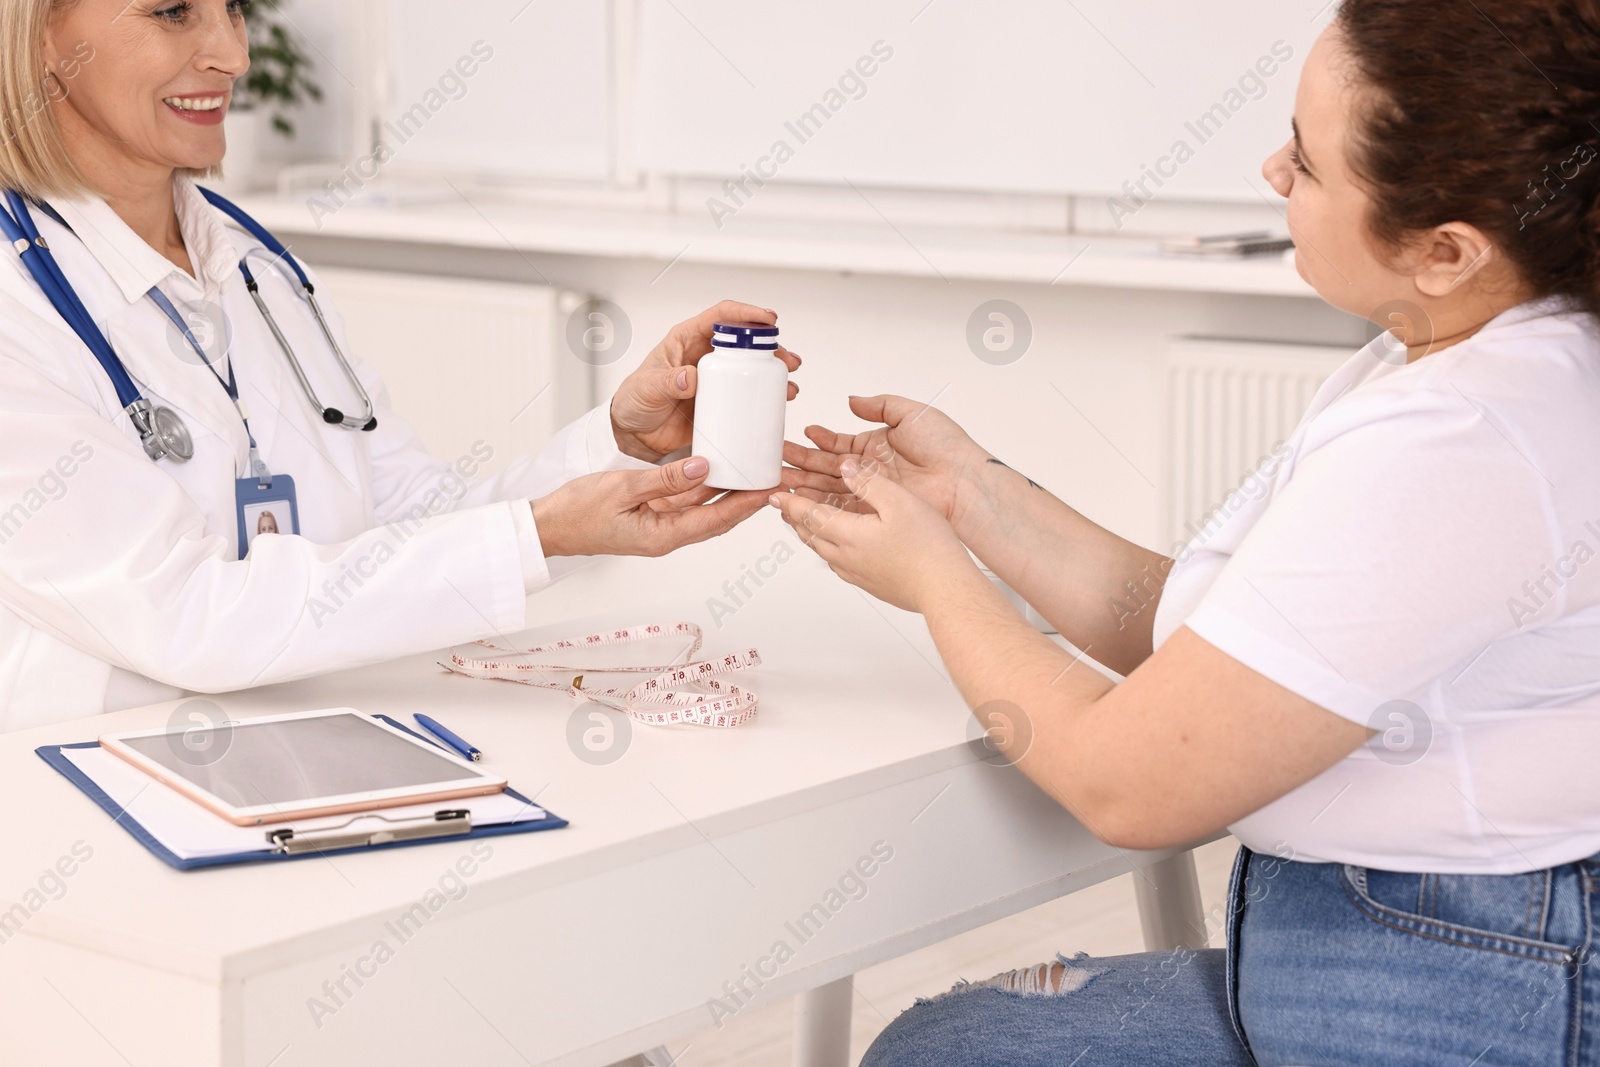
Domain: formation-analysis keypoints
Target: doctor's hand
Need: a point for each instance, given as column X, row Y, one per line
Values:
column 639, row 513
column 918, row 446
column 902, row 550
column 652, row 413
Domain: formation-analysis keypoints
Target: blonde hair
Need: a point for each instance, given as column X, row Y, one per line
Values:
column 33, row 154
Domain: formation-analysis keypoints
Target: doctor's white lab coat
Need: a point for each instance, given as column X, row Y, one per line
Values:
column 120, row 582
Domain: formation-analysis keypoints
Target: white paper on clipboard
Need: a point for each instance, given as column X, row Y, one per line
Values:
column 190, row 831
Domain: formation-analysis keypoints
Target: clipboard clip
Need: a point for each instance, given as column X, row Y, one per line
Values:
column 447, row 822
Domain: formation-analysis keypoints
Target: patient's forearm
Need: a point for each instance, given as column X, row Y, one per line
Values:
column 1099, row 590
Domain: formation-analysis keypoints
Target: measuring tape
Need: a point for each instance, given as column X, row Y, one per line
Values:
column 653, row 701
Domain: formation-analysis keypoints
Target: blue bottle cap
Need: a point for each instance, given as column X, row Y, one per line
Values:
column 744, row 335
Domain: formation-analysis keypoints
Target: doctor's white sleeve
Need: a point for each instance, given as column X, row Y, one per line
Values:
column 120, row 564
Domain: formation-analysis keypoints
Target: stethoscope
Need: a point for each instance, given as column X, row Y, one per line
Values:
column 161, row 432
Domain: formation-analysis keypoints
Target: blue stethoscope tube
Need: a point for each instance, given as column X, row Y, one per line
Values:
column 161, row 432
column 35, row 253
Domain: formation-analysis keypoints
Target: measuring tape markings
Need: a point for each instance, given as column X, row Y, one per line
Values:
column 725, row 707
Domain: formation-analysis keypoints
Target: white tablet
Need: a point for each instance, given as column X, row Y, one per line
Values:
column 281, row 767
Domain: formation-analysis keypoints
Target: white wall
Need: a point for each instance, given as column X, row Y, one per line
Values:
column 1024, row 95
column 518, row 88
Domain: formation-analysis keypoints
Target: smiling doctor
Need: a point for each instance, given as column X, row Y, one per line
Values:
column 135, row 459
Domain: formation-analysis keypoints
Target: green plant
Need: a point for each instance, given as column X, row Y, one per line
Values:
column 278, row 77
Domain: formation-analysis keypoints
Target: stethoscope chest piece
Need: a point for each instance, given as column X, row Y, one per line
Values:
column 161, row 432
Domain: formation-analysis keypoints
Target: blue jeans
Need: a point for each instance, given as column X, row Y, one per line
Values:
column 1327, row 965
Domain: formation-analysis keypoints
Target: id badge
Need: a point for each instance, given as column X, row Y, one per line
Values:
column 265, row 509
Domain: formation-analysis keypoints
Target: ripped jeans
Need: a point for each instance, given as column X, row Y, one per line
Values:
column 1327, row 965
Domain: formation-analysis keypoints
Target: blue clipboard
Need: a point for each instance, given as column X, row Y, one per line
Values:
column 52, row 754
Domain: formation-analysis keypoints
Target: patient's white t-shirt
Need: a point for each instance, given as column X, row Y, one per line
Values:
column 1423, row 557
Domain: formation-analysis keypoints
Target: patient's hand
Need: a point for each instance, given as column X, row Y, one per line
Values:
column 918, row 446
column 903, row 551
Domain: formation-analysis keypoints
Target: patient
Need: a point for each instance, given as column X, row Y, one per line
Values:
column 1382, row 675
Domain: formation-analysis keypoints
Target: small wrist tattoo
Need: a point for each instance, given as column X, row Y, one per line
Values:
column 1024, row 477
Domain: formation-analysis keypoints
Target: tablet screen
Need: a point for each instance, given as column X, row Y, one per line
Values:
column 293, row 760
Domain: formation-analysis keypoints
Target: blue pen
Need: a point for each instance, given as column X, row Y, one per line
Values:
column 438, row 729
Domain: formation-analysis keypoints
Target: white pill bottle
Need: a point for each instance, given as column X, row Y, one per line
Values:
column 739, row 406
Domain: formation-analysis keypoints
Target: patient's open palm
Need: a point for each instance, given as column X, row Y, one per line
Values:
column 918, row 446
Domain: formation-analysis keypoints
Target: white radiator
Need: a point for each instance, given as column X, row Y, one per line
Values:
column 1225, row 406
column 467, row 360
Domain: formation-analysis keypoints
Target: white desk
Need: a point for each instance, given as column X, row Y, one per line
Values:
column 684, row 862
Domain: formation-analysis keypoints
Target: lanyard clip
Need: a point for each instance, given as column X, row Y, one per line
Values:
column 259, row 469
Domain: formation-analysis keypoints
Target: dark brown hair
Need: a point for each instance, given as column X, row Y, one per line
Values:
column 1486, row 113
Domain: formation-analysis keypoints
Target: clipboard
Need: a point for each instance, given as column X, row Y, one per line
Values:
column 445, row 824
